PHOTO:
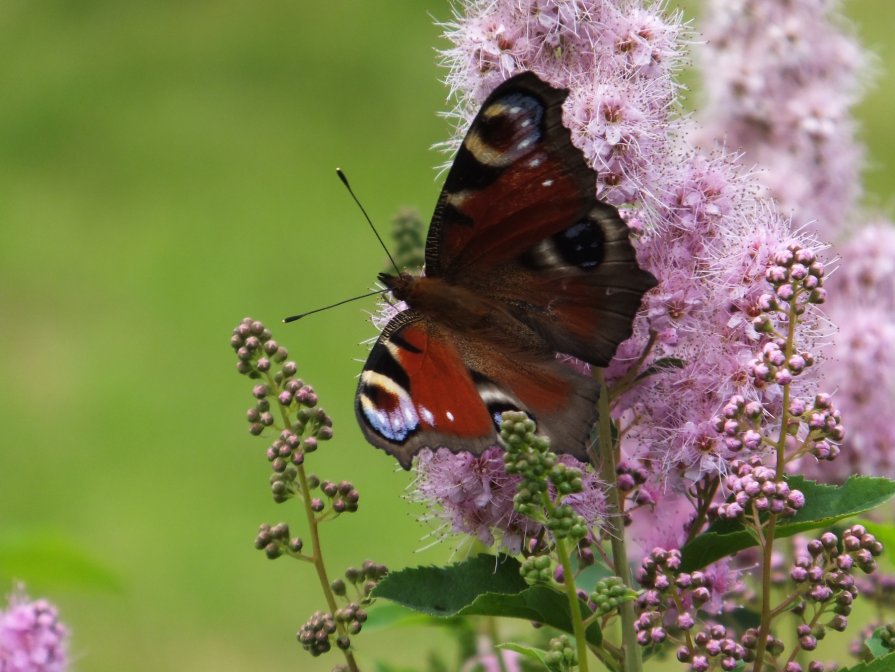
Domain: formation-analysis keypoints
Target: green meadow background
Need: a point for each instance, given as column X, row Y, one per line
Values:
column 167, row 168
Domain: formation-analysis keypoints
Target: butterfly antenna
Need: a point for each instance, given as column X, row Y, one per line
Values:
column 367, row 217
column 293, row 318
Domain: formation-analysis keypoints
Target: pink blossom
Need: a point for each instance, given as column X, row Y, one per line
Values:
column 32, row 639
column 703, row 229
column 489, row 660
column 473, row 495
column 787, row 104
column 782, row 79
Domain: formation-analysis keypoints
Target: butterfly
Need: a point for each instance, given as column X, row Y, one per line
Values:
column 522, row 262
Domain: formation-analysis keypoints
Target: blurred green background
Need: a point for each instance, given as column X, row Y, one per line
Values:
column 165, row 169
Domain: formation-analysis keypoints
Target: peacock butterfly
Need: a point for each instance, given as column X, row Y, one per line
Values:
column 522, row 262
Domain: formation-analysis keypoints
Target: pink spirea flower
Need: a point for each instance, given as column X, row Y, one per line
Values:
column 787, row 104
column 489, row 660
column 861, row 367
column 474, row 496
column 32, row 639
column 782, row 79
column 704, row 229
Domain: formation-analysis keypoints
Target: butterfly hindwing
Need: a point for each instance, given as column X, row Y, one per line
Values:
column 426, row 385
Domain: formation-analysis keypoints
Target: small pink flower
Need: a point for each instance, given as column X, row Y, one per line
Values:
column 474, row 496
column 487, row 659
column 32, row 639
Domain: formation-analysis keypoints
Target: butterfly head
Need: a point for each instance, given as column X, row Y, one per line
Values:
column 399, row 285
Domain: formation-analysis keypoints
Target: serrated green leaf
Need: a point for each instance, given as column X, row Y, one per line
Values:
column 824, row 505
column 537, row 603
column 445, row 591
column 883, row 664
column 481, row 586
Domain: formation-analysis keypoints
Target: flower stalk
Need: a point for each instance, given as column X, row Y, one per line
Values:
column 606, row 463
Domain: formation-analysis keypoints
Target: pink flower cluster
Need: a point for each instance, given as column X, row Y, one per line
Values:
column 475, row 496
column 861, row 364
column 776, row 94
column 787, row 104
column 705, row 226
column 32, row 639
column 703, row 229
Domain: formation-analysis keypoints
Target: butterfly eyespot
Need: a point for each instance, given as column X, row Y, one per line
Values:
column 581, row 244
column 387, row 406
column 507, row 129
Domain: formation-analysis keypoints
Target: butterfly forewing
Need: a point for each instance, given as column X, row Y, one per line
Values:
column 516, row 179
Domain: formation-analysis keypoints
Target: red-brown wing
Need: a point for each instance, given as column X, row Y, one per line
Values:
column 425, row 385
column 579, row 289
column 518, row 222
column 516, row 179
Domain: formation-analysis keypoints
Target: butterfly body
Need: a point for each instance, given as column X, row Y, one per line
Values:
column 460, row 309
column 522, row 262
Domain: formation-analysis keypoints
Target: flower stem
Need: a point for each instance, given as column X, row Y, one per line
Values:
column 317, row 556
column 574, row 603
column 615, row 502
column 770, row 528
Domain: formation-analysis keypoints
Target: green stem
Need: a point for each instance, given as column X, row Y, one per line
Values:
column 615, row 502
column 764, row 630
column 317, row 556
column 492, row 633
column 574, row 603
column 705, row 497
column 771, row 526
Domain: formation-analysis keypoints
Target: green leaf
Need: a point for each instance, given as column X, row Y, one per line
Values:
column 531, row 652
column 481, row 586
column 875, row 644
column 382, row 616
column 884, row 664
column 537, row 603
column 824, row 505
column 445, row 591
